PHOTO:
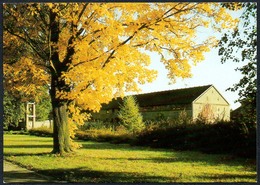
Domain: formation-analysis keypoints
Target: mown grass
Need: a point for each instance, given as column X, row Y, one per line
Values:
column 104, row 162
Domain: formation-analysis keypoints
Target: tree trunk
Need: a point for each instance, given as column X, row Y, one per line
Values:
column 61, row 136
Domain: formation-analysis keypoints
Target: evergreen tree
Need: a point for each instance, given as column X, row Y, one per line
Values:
column 130, row 116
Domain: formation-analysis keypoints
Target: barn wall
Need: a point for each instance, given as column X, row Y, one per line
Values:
column 218, row 105
column 148, row 113
column 105, row 115
column 168, row 114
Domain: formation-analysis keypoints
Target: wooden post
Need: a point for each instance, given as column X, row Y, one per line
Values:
column 34, row 115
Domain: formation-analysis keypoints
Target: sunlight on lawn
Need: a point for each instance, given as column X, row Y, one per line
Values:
column 104, row 162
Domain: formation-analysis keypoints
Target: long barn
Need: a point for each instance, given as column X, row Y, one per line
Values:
column 168, row 104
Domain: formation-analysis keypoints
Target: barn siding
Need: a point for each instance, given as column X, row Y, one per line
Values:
column 219, row 106
column 168, row 114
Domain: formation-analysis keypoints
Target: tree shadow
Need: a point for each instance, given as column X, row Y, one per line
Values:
column 29, row 146
column 109, row 146
column 27, row 154
column 85, row 175
column 173, row 155
column 229, row 177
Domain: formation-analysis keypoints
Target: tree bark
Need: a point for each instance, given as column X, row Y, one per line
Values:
column 61, row 135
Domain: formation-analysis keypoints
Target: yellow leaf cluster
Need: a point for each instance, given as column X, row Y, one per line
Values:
column 76, row 118
column 25, row 79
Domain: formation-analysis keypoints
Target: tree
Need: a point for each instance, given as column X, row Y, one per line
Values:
column 130, row 116
column 14, row 110
column 239, row 46
column 43, row 107
column 90, row 53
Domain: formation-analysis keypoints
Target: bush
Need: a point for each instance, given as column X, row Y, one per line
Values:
column 16, row 132
column 105, row 135
column 41, row 131
column 222, row 137
column 96, row 124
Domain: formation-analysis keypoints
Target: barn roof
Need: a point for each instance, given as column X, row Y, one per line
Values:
column 169, row 97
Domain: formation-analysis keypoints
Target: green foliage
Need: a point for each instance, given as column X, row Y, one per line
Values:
column 130, row 116
column 222, row 137
column 98, row 124
column 19, row 132
column 241, row 46
column 14, row 110
column 183, row 118
column 105, row 135
column 41, row 131
column 43, row 107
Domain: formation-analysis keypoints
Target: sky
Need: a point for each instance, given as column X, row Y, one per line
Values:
column 208, row 72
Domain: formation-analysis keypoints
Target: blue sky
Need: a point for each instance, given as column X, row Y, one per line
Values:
column 209, row 71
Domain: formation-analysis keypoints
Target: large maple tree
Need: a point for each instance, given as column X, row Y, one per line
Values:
column 89, row 53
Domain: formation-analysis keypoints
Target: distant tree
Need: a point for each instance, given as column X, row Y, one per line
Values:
column 183, row 118
column 240, row 46
column 14, row 110
column 43, row 107
column 130, row 116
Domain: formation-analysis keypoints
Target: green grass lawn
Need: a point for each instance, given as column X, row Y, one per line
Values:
column 104, row 162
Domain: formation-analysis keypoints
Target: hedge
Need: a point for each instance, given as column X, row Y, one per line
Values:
column 233, row 138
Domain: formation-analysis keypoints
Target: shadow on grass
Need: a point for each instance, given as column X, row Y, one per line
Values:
column 171, row 156
column 108, row 146
column 229, row 177
column 29, row 146
column 92, row 176
column 27, row 154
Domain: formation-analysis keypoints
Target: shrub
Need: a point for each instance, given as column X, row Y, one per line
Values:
column 16, row 132
column 41, row 131
column 222, row 137
column 96, row 124
column 105, row 135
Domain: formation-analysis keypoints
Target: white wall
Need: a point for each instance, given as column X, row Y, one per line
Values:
column 38, row 124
